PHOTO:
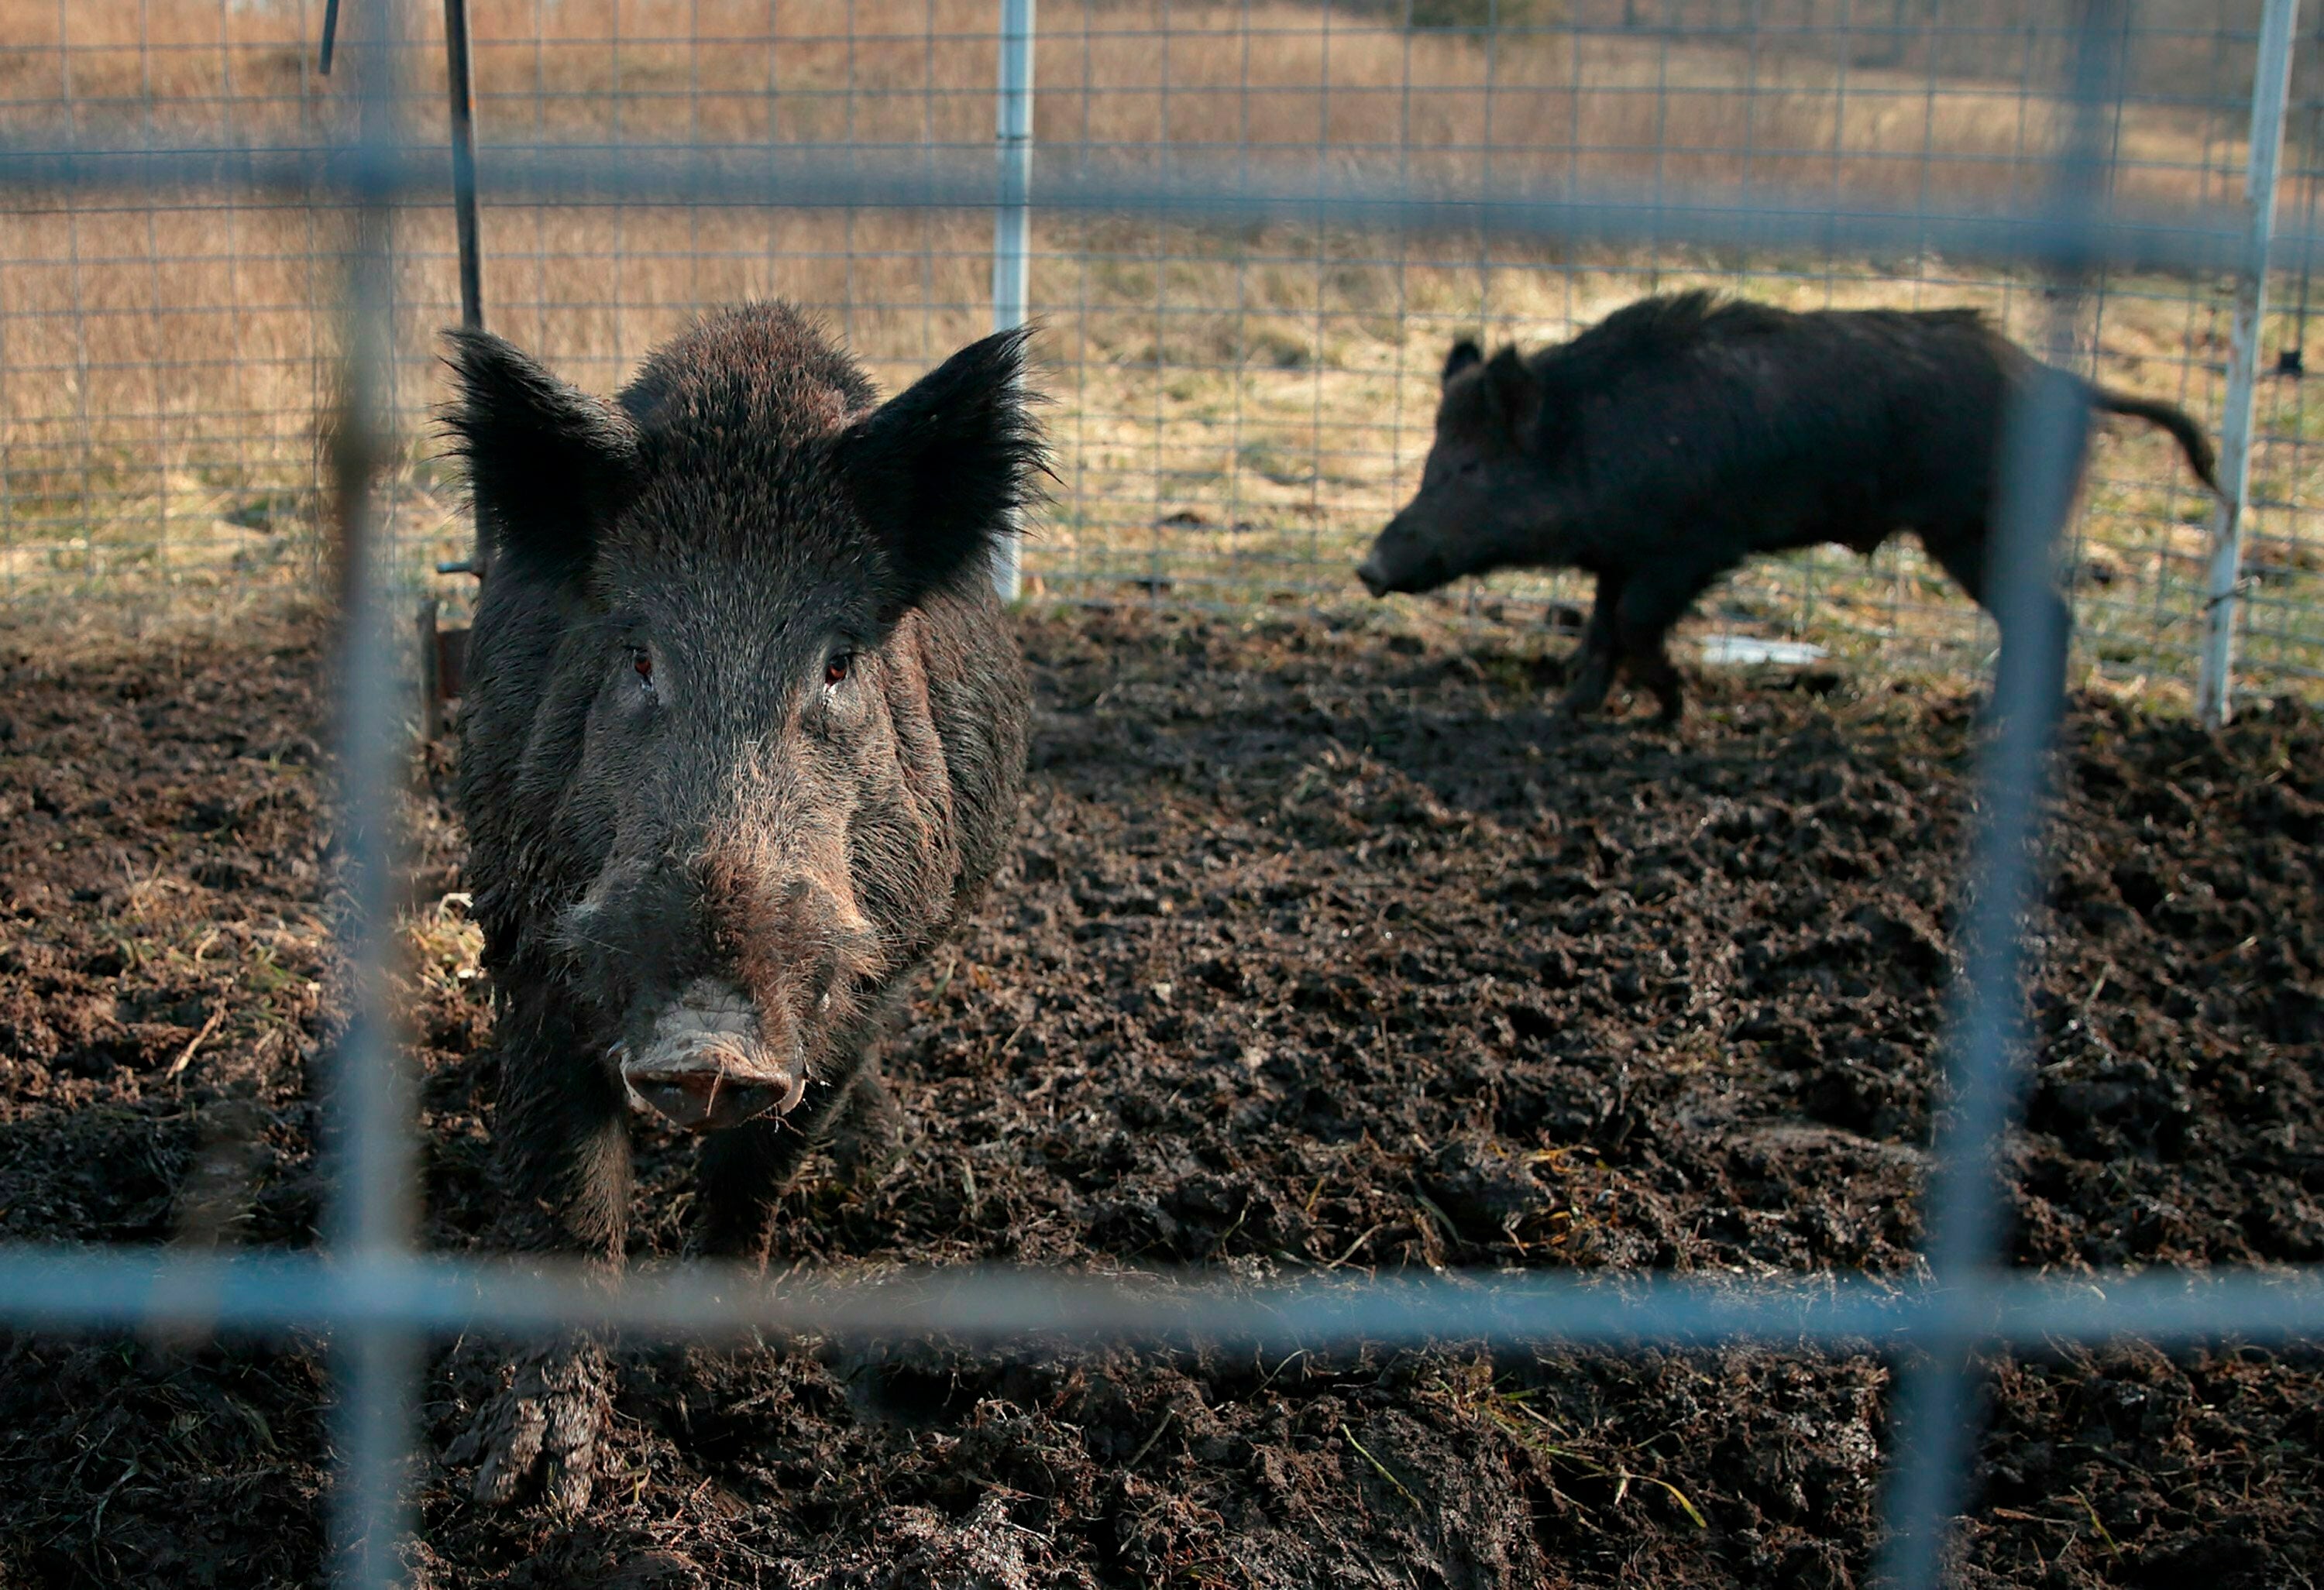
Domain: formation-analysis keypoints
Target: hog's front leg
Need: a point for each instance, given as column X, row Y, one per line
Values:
column 1593, row 670
column 1651, row 604
column 563, row 1164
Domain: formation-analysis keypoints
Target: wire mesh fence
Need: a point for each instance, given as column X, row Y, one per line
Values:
column 1254, row 230
column 1240, row 406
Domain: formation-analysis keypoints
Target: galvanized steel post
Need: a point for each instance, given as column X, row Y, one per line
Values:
column 2271, row 86
column 1011, row 222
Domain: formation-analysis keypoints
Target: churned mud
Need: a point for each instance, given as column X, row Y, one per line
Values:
column 1325, row 950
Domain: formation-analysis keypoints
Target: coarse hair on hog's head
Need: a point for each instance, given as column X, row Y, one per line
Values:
column 740, row 824
column 1484, row 491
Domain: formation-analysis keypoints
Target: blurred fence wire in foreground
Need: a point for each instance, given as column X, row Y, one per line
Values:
column 1209, row 212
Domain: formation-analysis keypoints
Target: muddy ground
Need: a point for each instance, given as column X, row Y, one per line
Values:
column 1326, row 950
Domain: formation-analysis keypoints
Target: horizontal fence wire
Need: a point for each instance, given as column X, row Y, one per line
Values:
column 1089, row 183
column 446, row 1295
column 1201, row 257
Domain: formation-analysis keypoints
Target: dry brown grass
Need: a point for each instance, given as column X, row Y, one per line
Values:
column 1235, row 411
column 1132, row 75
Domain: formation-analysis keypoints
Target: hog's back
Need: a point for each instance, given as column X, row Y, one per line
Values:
column 1826, row 428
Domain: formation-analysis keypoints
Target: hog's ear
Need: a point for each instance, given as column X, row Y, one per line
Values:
column 1465, row 355
column 939, row 472
column 1513, row 390
column 548, row 464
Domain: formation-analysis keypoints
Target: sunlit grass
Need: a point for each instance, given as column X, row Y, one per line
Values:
column 1235, row 411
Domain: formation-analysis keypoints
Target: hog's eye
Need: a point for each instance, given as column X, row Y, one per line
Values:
column 837, row 666
column 640, row 660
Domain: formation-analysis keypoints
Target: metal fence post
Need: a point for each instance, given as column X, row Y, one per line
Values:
column 461, row 83
column 1011, row 223
column 2271, row 86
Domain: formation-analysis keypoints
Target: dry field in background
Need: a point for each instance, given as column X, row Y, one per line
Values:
column 1236, row 411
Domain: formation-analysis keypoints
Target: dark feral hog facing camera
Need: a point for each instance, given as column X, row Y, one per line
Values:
column 744, row 740
column 1682, row 435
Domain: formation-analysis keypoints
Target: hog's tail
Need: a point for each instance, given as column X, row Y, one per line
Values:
column 2171, row 417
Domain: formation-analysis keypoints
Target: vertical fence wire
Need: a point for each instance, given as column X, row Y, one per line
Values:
column 1964, row 1213
column 370, row 1212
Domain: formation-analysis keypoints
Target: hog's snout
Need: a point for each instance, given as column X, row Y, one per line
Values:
column 709, row 1100
column 711, row 1062
column 1402, row 560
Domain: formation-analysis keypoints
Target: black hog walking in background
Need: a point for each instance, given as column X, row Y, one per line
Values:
column 1680, row 435
column 743, row 741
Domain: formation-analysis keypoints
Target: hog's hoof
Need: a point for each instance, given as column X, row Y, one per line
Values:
column 545, row 1425
column 1586, row 689
column 1670, row 698
column 1581, row 702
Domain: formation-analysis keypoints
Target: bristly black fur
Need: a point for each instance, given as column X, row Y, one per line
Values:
column 1511, row 392
column 754, row 774
column 941, row 473
column 1670, row 323
column 1464, row 354
column 548, row 465
column 1684, row 433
